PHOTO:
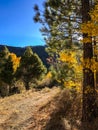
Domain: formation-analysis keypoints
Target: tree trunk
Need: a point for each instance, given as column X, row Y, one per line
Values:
column 97, row 79
column 27, row 85
column 89, row 94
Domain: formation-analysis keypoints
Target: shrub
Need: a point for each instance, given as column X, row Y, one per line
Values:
column 4, row 89
column 17, row 87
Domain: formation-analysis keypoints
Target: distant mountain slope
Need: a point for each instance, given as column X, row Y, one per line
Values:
column 40, row 50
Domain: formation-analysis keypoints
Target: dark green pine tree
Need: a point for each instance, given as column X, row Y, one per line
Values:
column 31, row 67
column 60, row 22
column 6, row 72
column 4, row 53
column 6, row 66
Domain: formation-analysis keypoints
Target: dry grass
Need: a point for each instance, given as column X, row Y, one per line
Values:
column 16, row 112
column 48, row 109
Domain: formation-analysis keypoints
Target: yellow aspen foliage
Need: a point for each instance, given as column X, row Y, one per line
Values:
column 71, row 60
column 95, row 50
column 15, row 61
column 86, row 40
column 97, row 66
column 78, row 68
column 91, row 27
column 90, row 64
column 67, row 57
column 49, row 75
column 73, row 85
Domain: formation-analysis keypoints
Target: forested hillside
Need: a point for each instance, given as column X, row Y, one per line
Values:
column 69, row 86
column 40, row 50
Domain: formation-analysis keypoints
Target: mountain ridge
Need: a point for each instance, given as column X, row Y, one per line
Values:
column 40, row 50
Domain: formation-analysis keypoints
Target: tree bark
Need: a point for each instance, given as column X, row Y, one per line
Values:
column 27, row 85
column 89, row 96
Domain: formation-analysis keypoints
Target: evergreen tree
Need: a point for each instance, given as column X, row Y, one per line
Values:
column 60, row 24
column 6, row 72
column 6, row 66
column 4, row 53
column 31, row 67
column 9, row 63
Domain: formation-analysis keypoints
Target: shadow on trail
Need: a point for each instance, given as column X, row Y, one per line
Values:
column 56, row 121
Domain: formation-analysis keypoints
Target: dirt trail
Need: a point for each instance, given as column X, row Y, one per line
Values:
column 27, row 111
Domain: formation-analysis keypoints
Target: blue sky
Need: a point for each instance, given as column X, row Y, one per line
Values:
column 17, row 27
